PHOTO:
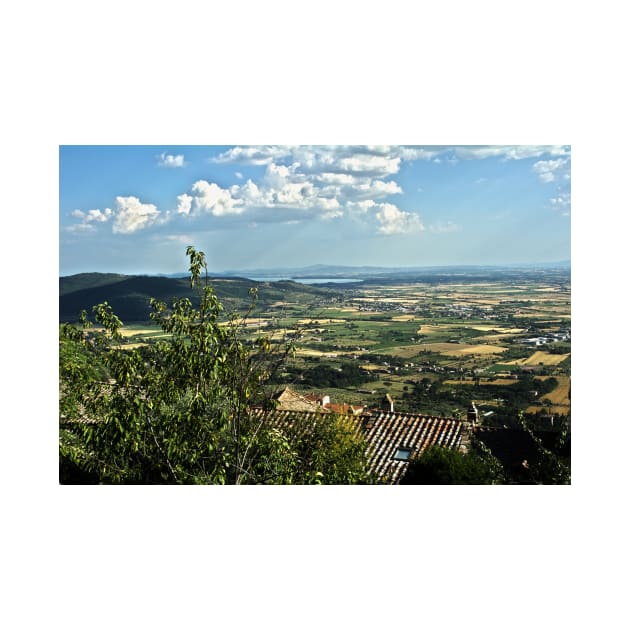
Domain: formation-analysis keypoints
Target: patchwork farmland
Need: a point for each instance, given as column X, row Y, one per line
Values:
column 434, row 346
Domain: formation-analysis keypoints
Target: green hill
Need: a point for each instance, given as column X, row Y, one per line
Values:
column 129, row 295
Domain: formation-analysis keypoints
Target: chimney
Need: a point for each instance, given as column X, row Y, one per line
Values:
column 473, row 414
column 387, row 404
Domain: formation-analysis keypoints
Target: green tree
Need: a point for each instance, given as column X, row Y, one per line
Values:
column 181, row 410
column 549, row 467
column 444, row 466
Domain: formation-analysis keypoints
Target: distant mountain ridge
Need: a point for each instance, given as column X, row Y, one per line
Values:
column 129, row 295
column 329, row 271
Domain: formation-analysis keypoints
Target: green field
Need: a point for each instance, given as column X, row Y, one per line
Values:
column 399, row 335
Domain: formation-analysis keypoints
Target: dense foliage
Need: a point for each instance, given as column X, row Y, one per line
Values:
column 179, row 411
column 443, row 466
column 323, row 376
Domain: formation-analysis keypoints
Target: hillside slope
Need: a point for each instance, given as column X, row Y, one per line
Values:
column 129, row 295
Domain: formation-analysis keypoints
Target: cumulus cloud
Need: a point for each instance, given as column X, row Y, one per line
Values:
column 131, row 215
column 302, row 182
column 550, row 170
column 171, row 161
column 299, row 183
column 213, row 199
column 361, row 207
column 88, row 218
column 253, row 155
column 392, row 220
column 93, row 215
column 184, row 204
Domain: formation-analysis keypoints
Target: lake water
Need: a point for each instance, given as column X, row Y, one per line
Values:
column 307, row 280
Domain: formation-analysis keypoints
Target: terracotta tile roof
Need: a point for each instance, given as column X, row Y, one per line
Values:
column 344, row 408
column 386, row 432
column 290, row 400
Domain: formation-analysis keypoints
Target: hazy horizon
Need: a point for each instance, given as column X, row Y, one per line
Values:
column 324, row 266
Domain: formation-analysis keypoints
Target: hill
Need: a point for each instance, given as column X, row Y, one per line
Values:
column 129, row 295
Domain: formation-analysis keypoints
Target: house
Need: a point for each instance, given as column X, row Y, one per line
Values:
column 393, row 439
column 289, row 400
column 323, row 400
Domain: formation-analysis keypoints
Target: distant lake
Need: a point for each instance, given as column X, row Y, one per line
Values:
column 307, row 280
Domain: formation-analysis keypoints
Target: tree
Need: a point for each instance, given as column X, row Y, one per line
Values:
column 549, row 466
column 444, row 466
column 180, row 411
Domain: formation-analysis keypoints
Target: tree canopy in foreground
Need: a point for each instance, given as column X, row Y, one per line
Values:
column 179, row 410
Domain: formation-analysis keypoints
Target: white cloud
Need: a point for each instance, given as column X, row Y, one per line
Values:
column 374, row 189
column 132, row 215
column 253, row 155
column 171, row 161
column 392, row 220
column 562, row 203
column 509, row 152
column 97, row 215
column 309, row 182
column 360, row 207
column 184, row 203
column 550, row 170
column 302, row 182
column 88, row 218
column 416, row 153
column 215, row 200
column 374, row 165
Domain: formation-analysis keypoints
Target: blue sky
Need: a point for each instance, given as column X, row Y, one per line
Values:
column 134, row 209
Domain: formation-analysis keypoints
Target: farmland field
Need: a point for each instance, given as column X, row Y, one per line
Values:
column 404, row 334
column 432, row 346
column 540, row 357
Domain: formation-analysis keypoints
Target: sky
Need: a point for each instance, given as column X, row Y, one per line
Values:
column 134, row 209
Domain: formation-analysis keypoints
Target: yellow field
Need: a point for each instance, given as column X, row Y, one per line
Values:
column 370, row 367
column 560, row 395
column 321, row 321
column 427, row 329
column 308, row 352
column 451, row 349
column 127, row 332
column 403, row 318
column 540, row 357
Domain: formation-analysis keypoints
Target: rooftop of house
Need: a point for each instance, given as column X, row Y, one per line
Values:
column 289, row 400
column 393, row 439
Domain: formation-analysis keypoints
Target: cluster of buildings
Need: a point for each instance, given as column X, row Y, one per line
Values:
column 393, row 439
column 563, row 335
